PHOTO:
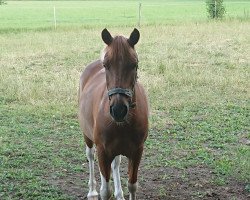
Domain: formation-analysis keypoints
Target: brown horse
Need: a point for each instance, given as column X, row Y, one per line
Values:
column 113, row 114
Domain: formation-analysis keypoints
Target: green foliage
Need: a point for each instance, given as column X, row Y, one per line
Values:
column 215, row 9
column 2, row 2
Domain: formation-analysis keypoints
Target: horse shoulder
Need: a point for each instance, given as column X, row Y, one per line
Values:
column 89, row 72
column 87, row 96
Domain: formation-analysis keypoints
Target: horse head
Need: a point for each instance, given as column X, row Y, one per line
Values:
column 120, row 62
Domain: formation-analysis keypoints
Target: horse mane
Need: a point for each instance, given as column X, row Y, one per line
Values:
column 120, row 50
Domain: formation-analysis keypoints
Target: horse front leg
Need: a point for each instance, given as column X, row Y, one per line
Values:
column 90, row 153
column 105, row 169
column 116, row 176
column 133, row 166
column 92, row 195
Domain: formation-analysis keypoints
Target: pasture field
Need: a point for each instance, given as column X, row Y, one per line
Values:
column 196, row 74
column 40, row 14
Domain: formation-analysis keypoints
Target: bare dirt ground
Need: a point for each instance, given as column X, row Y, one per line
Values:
column 160, row 183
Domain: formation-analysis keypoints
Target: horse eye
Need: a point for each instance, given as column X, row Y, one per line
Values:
column 107, row 67
column 104, row 65
column 135, row 66
column 132, row 66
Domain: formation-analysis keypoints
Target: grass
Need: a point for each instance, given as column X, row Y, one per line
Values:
column 197, row 77
column 31, row 142
column 23, row 15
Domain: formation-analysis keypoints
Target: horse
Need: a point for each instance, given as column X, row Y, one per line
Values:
column 113, row 114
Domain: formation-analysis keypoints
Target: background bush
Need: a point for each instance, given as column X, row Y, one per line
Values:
column 215, row 9
column 2, row 2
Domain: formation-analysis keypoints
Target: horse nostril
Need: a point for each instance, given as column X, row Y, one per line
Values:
column 118, row 112
column 111, row 110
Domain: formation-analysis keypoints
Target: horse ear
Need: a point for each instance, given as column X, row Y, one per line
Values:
column 134, row 37
column 106, row 37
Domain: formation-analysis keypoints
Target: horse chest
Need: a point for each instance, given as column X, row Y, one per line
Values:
column 121, row 142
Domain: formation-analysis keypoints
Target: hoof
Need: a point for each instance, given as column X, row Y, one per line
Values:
column 119, row 196
column 93, row 198
column 93, row 195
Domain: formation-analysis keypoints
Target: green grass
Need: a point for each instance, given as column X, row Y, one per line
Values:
column 32, row 142
column 39, row 14
column 196, row 74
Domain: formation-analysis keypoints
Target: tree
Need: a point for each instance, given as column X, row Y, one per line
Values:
column 2, row 2
column 215, row 9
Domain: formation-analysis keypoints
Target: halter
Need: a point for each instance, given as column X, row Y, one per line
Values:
column 127, row 92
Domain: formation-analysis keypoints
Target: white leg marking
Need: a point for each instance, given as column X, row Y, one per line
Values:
column 132, row 190
column 90, row 152
column 116, row 176
column 105, row 191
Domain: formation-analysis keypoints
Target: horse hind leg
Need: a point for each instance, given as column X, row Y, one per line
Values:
column 116, row 176
column 90, row 152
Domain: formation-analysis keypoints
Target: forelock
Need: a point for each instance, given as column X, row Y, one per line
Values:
column 120, row 50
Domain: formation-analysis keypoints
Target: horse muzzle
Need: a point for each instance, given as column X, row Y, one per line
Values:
column 119, row 108
column 119, row 112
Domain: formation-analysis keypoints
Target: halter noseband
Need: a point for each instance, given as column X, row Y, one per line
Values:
column 126, row 92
